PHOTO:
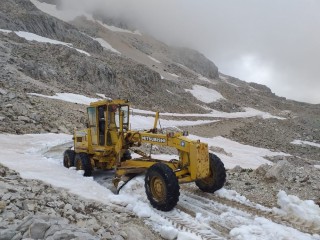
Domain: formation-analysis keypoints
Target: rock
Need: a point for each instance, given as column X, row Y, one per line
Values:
column 24, row 119
column 54, row 130
column 262, row 169
column 2, row 206
column 6, row 197
column 52, row 230
column 276, row 172
column 29, row 205
column 9, row 216
column 3, row 172
column 38, row 229
column 21, row 109
column 18, row 236
column 12, row 95
column 3, row 91
column 24, row 225
column 2, row 118
column 7, row 234
column 236, row 169
column 72, row 234
column 64, row 129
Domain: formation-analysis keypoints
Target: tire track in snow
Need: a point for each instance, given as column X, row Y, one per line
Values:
column 182, row 220
column 202, row 197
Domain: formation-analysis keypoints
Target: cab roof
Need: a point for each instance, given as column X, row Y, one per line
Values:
column 105, row 102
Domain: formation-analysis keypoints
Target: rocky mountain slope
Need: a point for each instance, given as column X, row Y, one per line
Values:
column 41, row 52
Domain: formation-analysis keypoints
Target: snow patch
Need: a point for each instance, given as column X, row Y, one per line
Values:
column 249, row 112
column 173, row 75
column 203, row 78
column 234, row 196
column 300, row 142
column 69, row 97
column 34, row 37
column 103, row 96
column 147, row 122
column 245, row 156
column 116, row 29
column 5, row 31
column 169, row 91
column 264, row 229
column 317, row 166
column 168, row 232
column 292, row 206
column 65, row 15
column 153, row 59
column 204, row 94
column 106, row 45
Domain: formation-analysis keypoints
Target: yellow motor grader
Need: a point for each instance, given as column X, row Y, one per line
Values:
column 107, row 144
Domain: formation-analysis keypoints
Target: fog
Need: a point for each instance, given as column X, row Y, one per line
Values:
column 276, row 43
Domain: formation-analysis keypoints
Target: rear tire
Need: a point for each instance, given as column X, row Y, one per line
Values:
column 82, row 162
column 217, row 176
column 162, row 187
column 68, row 158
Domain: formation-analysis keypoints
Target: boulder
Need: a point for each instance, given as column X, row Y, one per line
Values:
column 262, row 169
column 236, row 169
column 3, row 91
column 24, row 119
column 38, row 229
column 7, row 234
column 277, row 171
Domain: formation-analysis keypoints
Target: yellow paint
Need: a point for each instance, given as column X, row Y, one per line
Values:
column 193, row 161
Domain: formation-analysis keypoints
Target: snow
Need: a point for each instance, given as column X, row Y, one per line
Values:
column 300, row 142
column 5, row 31
column 264, row 229
column 81, row 99
column 67, row 14
column 153, row 59
column 69, row 97
column 249, row 112
column 26, row 154
column 106, row 45
column 168, row 232
column 169, row 91
column 202, row 78
column 173, row 75
column 116, row 29
column 103, row 96
column 245, row 156
column 317, row 166
column 147, row 122
column 234, row 196
column 34, row 37
column 306, row 211
column 204, row 94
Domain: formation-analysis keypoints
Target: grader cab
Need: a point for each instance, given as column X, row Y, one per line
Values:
column 107, row 144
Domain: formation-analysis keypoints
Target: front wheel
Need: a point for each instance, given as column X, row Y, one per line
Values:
column 82, row 162
column 217, row 176
column 162, row 187
column 68, row 158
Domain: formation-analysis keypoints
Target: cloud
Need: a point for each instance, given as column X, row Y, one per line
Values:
column 275, row 43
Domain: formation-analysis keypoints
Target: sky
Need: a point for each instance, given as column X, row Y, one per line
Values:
column 275, row 43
